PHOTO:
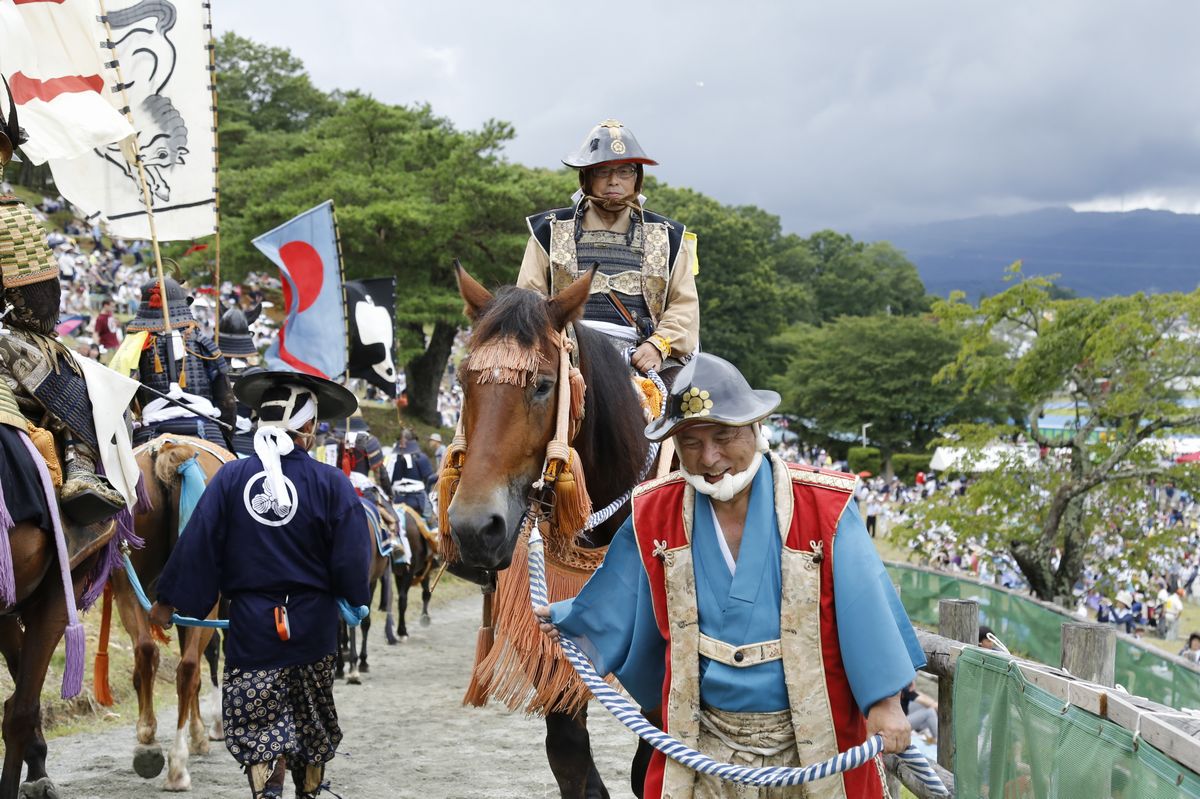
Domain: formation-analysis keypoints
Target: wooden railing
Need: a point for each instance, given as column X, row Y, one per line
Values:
column 1085, row 680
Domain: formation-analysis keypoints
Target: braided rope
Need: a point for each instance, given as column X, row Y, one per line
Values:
column 631, row 717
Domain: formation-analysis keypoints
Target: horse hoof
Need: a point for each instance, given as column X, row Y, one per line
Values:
column 182, row 783
column 353, row 679
column 364, row 668
column 41, row 789
column 425, row 620
column 404, row 639
column 148, row 760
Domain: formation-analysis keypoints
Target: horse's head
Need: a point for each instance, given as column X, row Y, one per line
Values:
column 509, row 381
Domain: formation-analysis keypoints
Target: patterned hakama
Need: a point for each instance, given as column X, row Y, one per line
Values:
column 287, row 712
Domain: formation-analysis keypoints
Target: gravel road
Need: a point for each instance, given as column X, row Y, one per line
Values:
column 406, row 734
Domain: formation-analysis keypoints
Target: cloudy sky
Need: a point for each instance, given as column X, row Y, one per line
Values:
column 856, row 115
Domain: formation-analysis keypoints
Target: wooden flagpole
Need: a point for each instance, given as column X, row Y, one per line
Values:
column 212, row 73
column 337, row 235
column 128, row 147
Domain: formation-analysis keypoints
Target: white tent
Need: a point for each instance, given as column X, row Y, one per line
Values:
column 961, row 459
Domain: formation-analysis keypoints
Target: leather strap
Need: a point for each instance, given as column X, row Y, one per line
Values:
column 740, row 656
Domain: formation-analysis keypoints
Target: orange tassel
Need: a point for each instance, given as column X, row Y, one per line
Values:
column 158, row 367
column 572, row 505
column 447, row 484
column 100, row 686
column 182, row 373
column 652, row 396
column 524, row 669
column 578, row 394
column 159, row 634
column 479, row 687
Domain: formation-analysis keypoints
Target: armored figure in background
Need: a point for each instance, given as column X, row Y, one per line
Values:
column 199, row 369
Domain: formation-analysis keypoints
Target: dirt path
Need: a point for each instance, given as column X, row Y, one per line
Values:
column 407, row 734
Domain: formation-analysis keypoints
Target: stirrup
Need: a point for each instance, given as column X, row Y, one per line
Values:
column 88, row 506
column 322, row 788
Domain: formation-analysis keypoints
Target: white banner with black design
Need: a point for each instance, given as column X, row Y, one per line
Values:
column 162, row 48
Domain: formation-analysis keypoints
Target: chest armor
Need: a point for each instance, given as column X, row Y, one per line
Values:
column 636, row 265
column 193, row 371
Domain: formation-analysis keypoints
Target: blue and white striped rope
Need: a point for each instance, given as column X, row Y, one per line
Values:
column 629, row 715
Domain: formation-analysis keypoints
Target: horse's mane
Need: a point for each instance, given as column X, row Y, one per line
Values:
column 517, row 314
column 612, row 434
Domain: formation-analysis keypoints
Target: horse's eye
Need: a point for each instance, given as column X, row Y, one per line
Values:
column 544, row 386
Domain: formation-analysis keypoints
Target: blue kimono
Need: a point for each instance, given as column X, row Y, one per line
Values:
column 613, row 621
column 242, row 544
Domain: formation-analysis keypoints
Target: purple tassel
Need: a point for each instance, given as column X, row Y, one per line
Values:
column 76, row 639
column 8, row 581
column 144, row 505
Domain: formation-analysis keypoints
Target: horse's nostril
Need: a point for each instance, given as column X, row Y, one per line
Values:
column 496, row 527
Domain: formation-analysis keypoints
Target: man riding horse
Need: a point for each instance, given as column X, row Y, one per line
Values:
column 237, row 345
column 644, row 293
column 193, row 368
column 40, row 375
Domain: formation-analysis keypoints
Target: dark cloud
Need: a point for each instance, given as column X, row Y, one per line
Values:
column 852, row 115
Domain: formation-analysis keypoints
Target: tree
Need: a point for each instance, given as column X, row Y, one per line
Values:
column 1120, row 370
column 852, row 278
column 263, row 88
column 411, row 193
column 743, row 303
column 876, row 369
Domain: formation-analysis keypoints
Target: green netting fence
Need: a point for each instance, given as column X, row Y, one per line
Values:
column 1014, row 740
column 1034, row 631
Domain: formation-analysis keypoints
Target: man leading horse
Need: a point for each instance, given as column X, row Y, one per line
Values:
column 281, row 536
column 744, row 596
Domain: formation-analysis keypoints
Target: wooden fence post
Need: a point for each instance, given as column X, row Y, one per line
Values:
column 958, row 620
column 1089, row 651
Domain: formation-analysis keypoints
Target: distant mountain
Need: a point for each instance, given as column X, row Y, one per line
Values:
column 1095, row 254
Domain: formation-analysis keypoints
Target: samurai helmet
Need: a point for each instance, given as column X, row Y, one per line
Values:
column 609, row 142
column 236, row 339
column 149, row 314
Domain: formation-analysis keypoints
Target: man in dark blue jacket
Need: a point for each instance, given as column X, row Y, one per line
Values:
column 283, row 537
column 411, row 475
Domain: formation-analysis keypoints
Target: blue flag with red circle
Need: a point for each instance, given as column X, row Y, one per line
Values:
column 313, row 336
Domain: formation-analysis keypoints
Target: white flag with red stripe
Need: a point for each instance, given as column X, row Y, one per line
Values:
column 162, row 46
column 52, row 59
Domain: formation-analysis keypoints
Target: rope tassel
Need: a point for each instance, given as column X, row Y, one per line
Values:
column 572, row 505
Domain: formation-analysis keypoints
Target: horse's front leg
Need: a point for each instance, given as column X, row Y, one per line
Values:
column 148, row 760
column 45, row 618
column 426, row 595
column 362, row 660
column 569, row 750
column 404, row 575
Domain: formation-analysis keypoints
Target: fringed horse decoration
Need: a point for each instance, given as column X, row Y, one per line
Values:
column 542, row 410
column 175, row 469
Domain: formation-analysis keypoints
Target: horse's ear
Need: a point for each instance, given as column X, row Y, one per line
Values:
column 474, row 295
column 567, row 305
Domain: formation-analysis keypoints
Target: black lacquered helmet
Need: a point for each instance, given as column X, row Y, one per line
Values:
column 711, row 390
column 608, row 142
column 236, row 338
column 149, row 314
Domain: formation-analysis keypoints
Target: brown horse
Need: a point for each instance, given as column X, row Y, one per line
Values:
column 348, row 649
column 418, row 571
column 159, row 461
column 508, row 425
column 29, row 633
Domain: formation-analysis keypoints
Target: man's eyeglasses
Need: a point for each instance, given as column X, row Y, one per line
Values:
column 624, row 171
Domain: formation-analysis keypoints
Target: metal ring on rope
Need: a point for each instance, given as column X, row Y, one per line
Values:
column 629, row 715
